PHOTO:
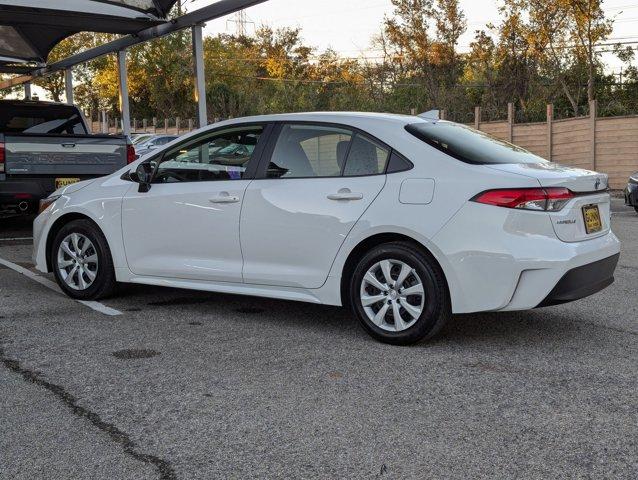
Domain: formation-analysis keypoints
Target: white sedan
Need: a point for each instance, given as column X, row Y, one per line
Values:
column 406, row 220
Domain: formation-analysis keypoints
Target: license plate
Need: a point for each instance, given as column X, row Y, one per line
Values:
column 593, row 223
column 63, row 182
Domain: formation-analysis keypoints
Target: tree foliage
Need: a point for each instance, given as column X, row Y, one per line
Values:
column 537, row 52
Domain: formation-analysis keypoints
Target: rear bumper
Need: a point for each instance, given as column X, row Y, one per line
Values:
column 14, row 191
column 498, row 259
column 583, row 281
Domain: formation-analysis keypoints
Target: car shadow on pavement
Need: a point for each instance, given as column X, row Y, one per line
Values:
column 505, row 328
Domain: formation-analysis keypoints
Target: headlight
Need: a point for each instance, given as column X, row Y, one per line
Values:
column 47, row 202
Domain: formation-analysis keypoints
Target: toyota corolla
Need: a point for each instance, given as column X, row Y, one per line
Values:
column 406, row 220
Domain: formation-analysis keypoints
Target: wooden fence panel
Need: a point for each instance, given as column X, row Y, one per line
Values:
column 617, row 148
column 571, row 142
column 496, row 129
column 532, row 137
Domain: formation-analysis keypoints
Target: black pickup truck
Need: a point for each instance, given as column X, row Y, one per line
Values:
column 44, row 146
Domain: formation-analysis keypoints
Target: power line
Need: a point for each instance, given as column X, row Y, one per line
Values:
column 382, row 57
column 343, row 82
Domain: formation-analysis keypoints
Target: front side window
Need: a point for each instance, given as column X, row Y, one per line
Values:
column 469, row 145
column 309, row 151
column 221, row 156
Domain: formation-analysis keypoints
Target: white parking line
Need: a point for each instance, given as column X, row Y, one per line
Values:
column 97, row 306
column 15, row 239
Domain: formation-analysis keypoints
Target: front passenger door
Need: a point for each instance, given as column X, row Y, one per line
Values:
column 187, row 225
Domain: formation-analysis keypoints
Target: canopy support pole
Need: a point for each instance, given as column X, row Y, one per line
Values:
column 27, row 91
column 123, row 92
column 68, row 85
column 200, row 78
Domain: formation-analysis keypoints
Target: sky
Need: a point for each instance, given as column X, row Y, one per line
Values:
column 348, row 25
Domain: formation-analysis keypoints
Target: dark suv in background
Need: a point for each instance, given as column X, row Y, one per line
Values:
column 631, row 192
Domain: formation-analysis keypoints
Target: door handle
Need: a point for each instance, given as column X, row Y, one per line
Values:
column 68, row 145
column 345, row 194
column 224, row 197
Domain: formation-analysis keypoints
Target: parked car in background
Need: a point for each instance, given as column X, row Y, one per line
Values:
column 404, row 219
column 140, row 137
column 631, row 192
column 151, row 143
column 45, row 146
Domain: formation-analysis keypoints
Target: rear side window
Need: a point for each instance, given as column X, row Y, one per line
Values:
column 304, row 151
column 469, row 145
column 47, row 119
column 365, row 157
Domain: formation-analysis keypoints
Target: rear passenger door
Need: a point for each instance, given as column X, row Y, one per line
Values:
column 314, row 183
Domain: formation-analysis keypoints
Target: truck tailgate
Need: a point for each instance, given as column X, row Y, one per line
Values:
column 68, row 155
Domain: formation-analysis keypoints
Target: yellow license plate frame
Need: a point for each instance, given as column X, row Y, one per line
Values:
column 65, row 181
column 593, row 221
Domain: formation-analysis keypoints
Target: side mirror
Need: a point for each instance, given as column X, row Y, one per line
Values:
column 144, row 173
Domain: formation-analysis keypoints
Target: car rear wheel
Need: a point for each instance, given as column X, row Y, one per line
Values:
column 399, row 294
column 82, row 262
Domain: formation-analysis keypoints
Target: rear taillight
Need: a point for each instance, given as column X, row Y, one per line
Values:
column 1, row 157
column 130, row 154
column 540, row 199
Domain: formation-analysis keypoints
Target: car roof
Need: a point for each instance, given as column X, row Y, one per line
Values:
column 335, row 117
column 384, row 126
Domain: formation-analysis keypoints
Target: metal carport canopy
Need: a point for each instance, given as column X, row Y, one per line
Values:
column 193, row 19
column 30, row 29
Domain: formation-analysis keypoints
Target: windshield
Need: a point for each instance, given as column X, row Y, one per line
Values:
column 469, row 145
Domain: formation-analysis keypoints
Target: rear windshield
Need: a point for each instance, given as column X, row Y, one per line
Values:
column 42, row 119
column 469, row 145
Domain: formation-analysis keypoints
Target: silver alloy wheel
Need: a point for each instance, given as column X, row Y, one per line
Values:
column 392, row 295
column 77, row 261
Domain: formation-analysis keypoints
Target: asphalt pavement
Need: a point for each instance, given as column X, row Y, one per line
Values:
column 194, row 385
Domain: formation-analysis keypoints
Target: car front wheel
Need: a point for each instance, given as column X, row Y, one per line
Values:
column 399, row 294
column 82, row 262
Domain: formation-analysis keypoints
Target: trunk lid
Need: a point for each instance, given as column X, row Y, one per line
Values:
column 548, row 174
column 590, row 188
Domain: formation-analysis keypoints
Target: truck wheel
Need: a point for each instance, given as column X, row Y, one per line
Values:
column 399, row 294
column 82, row 262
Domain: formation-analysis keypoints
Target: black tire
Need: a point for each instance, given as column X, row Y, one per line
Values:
column 104, row 284
column 436, row 310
